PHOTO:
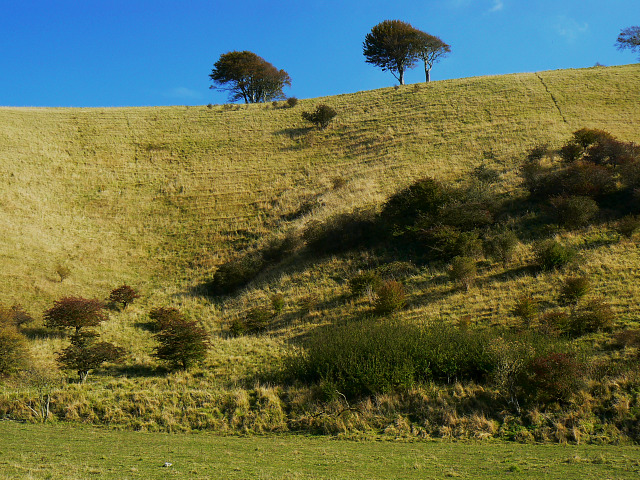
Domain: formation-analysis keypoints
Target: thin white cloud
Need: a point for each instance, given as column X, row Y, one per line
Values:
column 183, row 93
column 497, row 6
column 569, row 28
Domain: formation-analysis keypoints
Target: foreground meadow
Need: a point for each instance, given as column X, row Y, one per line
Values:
column 62, row 451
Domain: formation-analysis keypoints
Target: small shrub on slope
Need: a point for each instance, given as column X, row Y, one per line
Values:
column 552, row 255
column 321, row 116
column 390, row 298
column 14, row 350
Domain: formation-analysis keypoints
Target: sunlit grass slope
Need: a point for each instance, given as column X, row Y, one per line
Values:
column 156, row 197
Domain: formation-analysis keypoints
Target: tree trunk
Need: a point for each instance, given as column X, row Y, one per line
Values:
column 427, row 73
column 401, row 76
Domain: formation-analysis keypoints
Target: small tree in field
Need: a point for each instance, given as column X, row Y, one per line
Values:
column 123, row 295
column 85, row 353
column 75, row 312
column 181, row 343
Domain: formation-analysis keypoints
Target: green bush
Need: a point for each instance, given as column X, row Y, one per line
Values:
column 573, row 289
column 321, row 116
column 552, row 255
column 235, row 274
column 181, row 343
column 421, row 199
column 390, row 298
column 595, row 316
column 445, row 242
column 554, row 377
column 361, row 358
column 501, row 246
column 292, row 102
column 277, row 303
column 526, row 309
column 574, row 211
column 627, row 226
column 365, row 283
column 14, row 351
column 368, row 357
column 256, row 320
column 463, row 270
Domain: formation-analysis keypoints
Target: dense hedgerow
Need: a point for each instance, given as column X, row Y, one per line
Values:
column 368, row 357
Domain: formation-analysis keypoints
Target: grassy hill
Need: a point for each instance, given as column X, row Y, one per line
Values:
column 158, row 197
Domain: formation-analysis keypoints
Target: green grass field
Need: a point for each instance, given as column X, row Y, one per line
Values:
column 159, row 197
column 38, row 452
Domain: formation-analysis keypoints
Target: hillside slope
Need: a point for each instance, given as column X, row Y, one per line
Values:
column 158, row 196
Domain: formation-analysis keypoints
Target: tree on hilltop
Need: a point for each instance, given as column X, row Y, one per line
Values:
column 629, row 38
column 247, row 76
column 395, row 46
column 391, row 45
column 430, row 49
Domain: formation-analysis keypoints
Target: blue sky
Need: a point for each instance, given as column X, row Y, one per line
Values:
column 89, row 53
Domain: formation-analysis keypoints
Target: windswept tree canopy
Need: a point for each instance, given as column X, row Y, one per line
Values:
column 395, row 46
column 247, row 76
column 629, row 38
column 430, row 49
column 391, row 46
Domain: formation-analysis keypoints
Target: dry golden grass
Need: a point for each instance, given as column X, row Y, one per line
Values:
column 158, row 197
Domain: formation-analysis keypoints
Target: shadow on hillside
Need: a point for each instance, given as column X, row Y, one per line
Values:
column 293, row 133
column 513, row 273
column 37, row 333
column 138, row 370
column 147, row 326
